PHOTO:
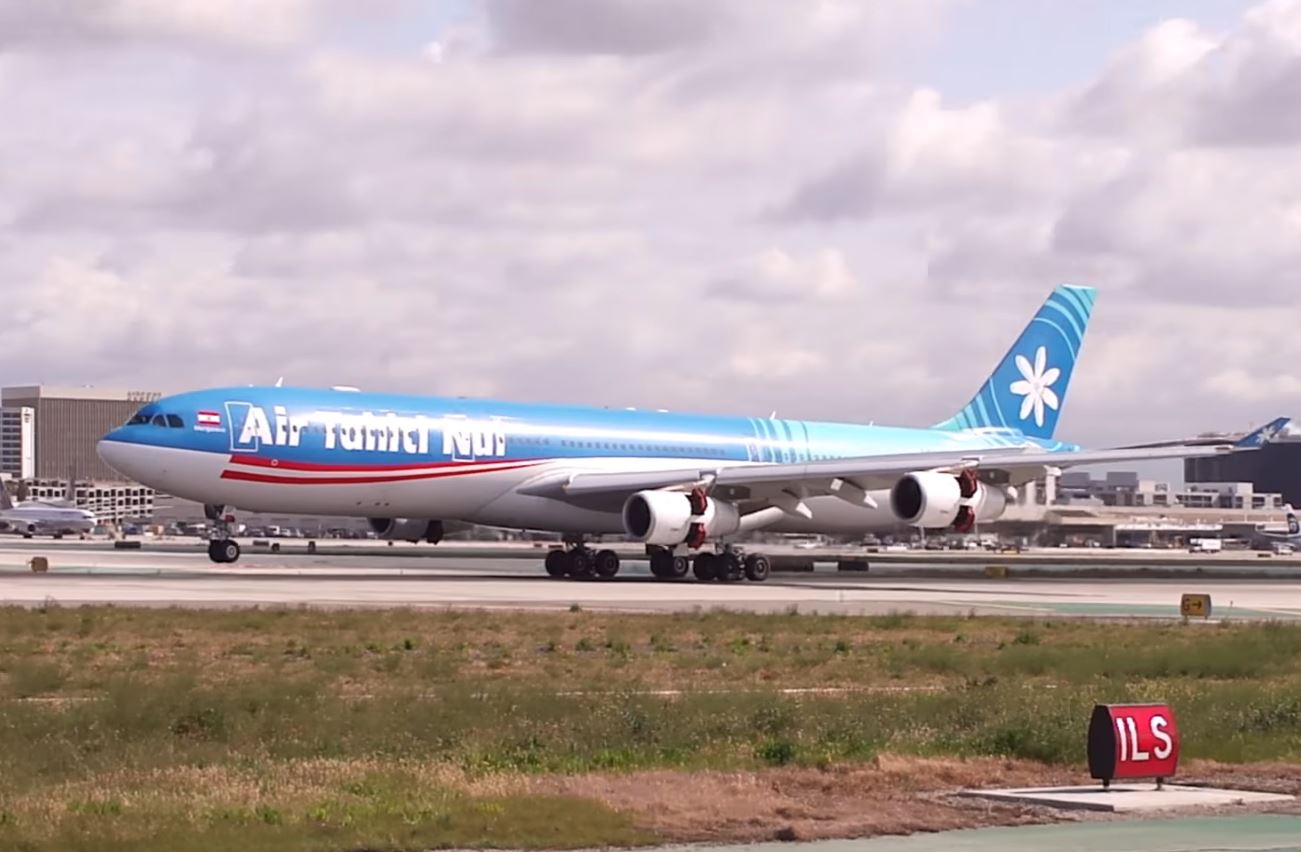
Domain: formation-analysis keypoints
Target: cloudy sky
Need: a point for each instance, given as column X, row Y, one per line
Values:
column 833, row 208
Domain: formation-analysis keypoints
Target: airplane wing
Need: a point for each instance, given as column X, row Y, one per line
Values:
column 872, row 472
column 1251, row 440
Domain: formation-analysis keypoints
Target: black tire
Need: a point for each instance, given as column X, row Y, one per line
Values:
column 705, row 567
column 213, row 553
column 757, row 567
column 728, row 567
column 556, row 563
column 607, row 564
column 680, row 568
column 661, row 564
column 580, row 562
column 228, row 549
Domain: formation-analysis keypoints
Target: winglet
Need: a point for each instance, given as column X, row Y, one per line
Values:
column 1263, row 435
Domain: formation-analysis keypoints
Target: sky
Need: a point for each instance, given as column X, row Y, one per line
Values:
column 831, row 209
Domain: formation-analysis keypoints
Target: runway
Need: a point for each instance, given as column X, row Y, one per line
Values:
column 84, row 576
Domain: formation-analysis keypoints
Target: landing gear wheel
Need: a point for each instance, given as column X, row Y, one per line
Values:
column 556, row 563
column 706, row 567
column 728, row 566
column 757, row 567
column 607, row 564
column 580, row 562
column 680, row 568
column 661, row 564
column 223, row 551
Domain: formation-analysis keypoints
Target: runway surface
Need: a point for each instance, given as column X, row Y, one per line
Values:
column 80, row 575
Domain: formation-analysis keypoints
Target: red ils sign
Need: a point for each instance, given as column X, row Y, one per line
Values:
column 1133, row 741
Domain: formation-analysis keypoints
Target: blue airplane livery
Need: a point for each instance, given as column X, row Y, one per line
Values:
column 688, row 486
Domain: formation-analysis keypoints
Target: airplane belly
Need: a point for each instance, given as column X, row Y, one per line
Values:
column 531, row 512
column 833, row 515
column 451, row 495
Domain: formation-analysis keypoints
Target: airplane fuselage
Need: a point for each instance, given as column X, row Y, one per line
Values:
column 292, row 450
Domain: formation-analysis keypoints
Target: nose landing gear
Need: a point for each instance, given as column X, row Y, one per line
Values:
column 222, row 549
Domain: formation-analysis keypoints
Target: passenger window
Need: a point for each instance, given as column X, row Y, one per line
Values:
column 174, row 421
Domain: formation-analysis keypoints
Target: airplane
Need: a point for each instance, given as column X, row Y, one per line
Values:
column 1292, row 536
column 43, row 517
column 684, row 485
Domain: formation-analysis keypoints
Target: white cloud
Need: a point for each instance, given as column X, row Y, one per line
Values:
column 739, row 207
column 86, row 23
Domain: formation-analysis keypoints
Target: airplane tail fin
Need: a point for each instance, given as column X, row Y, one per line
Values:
column 1263, row 435
column 1027, row 389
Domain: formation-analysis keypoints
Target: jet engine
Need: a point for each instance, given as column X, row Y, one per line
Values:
column 407, row 529
column 932, row 500
column 670, row 518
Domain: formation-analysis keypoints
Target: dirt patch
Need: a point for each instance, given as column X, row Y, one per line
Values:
column 891, row 795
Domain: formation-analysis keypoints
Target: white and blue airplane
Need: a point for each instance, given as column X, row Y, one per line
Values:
column 679, row 483
column 44, row 517
column 1293, row 534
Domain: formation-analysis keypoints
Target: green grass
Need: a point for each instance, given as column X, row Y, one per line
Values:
column 288, row 729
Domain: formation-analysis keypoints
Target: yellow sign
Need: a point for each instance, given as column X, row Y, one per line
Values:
column 1195, row 606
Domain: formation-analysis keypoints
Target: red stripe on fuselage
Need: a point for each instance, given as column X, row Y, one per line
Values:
column 461, row 470
column 286, row 464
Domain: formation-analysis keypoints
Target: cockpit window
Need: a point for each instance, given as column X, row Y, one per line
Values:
column 175, row 421
column 159, row 420
column 138, row 419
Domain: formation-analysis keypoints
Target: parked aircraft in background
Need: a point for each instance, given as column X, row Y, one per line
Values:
column 43, row 517
column 679, row 483
column 1273, row 538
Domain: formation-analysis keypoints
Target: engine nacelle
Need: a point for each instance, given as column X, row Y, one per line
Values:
column 670, row 518
column 933, row 500
column 407, row 529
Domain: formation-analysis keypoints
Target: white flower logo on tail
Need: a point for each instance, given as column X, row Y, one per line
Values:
column 1036, row 388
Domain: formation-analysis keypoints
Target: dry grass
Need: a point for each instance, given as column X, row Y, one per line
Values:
column 302, row 729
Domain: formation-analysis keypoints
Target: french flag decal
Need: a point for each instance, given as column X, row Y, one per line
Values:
column 208, row 418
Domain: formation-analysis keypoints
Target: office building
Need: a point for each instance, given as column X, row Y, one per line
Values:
column 18, row 442
column 65, row 424
column 1275, row 467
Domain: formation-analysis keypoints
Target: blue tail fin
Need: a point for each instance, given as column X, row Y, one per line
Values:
column 1264, row 434
column 1028, row 387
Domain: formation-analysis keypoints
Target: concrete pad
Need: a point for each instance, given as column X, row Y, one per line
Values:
column 1129, row 798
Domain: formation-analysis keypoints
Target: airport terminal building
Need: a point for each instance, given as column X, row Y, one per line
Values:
column 48, row 436
column 1274, row 467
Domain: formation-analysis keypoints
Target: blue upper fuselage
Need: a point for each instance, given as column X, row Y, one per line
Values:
column 335, row 427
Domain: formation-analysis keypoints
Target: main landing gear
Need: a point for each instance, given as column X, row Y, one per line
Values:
column 580, row 562
column 576, row 560
column 731, row 564
column 222, row 549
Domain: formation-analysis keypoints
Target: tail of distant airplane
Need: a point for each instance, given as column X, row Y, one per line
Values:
column 1028, row 387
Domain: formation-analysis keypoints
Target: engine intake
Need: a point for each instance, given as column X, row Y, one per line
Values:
column 932, row 500
column 670, row 518
column 407, row 529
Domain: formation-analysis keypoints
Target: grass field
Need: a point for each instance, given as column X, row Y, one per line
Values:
column 303, row 729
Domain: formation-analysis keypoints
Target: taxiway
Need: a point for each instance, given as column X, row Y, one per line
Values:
column 146, row 578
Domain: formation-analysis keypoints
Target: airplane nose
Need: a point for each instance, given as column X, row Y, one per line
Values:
column 115, row 454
